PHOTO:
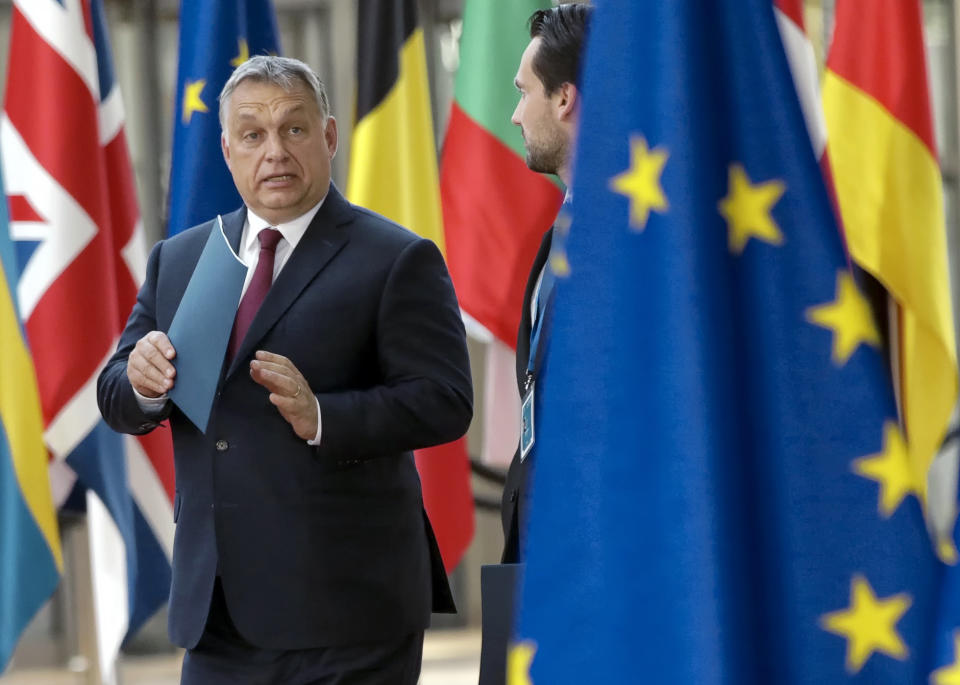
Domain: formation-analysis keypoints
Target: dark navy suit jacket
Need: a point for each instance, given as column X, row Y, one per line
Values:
column 327, row 545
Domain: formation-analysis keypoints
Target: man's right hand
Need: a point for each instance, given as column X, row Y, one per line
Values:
column 148, row 367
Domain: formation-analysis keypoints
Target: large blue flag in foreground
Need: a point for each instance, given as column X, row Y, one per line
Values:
column 718, row 443
column 216, row 36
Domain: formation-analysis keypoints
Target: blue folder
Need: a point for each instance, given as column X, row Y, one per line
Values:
column 201, row 327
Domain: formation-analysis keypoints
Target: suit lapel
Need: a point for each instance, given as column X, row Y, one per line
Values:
column 321, row 242
column 523, row 335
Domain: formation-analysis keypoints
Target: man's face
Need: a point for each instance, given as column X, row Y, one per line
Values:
column 278, row 149
column 536, row 115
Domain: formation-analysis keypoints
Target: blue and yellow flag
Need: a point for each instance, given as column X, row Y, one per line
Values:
column 721, row 491
column 30, row 559
column 216, row 36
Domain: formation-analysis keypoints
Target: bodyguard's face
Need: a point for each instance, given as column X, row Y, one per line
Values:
column 278, row 149
column 537, row 116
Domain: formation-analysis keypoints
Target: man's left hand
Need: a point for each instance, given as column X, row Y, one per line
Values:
column 289, row 392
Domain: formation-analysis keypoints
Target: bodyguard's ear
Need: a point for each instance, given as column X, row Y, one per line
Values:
column 567, row 99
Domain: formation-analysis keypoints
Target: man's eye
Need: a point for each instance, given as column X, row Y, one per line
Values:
column 251, row 135
column 296, row 130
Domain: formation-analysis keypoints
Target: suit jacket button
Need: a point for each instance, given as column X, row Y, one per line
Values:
column 513, row 496
column 222, row 445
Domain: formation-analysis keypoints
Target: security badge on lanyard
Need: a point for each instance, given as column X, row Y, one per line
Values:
column 526, row 418
column 544, row 301
column 544, row 295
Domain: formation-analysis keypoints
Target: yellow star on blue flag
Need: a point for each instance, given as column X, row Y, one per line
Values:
column 641, row 182
column 849, row 317
column 892, row 469
column 747, row 209
column 193, row 100
column 519, row 660
column 243, row 55
column 869, row 624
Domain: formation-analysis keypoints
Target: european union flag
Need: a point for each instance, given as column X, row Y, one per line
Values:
column 721, row 490
column 216, row 36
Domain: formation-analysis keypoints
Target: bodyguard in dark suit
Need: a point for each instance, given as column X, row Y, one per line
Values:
column 547, row 115
column 514, row 499
column 302, row 551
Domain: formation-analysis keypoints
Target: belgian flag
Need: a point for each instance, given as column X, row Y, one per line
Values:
column 393, row 171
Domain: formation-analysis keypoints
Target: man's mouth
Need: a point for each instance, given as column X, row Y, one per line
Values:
column 281, row 178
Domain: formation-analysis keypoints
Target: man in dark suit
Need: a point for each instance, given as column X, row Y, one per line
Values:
column 547, row 115
column 302, row 551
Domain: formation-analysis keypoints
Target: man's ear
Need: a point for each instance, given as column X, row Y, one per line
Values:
column 225, row 148
column 567, row 99
column 330, row 134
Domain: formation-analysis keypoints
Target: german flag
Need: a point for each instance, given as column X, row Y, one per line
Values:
column 889, row 190
column 393, row 171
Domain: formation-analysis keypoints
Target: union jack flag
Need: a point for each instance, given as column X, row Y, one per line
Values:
column 81, row 252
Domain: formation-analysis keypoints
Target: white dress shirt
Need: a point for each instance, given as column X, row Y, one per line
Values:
column 249, row 254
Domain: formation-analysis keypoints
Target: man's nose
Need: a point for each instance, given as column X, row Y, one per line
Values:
column 275, row 147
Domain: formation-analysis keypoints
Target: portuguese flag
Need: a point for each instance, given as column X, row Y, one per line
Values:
column 888, row 184
column 495, row 210
column 393, row 171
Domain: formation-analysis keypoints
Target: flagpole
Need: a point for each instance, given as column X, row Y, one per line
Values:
column 147, row 117
column 81, row 620
column 341, row 80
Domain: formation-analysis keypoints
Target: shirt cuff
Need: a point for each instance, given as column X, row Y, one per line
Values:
column 151, row 406
column 316, row 439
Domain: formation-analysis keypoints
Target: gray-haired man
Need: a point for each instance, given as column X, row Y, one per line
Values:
column 302, row 552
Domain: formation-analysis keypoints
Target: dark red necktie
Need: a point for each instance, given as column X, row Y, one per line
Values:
column 256, row 291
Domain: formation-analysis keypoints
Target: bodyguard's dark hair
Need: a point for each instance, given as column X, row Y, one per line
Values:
column 561, row 30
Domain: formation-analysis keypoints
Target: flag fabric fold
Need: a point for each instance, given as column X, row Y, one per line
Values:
column 216, row 36
column 80, row 254
column 718, row 439
column 884, row 165
column 393, row 171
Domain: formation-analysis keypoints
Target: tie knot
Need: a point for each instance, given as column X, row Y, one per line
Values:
column 269, row 237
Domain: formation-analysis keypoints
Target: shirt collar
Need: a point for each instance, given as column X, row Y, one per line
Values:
column 292, row 231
